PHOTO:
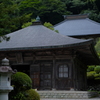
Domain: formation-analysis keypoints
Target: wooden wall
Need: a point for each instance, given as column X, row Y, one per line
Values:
column 43, row 66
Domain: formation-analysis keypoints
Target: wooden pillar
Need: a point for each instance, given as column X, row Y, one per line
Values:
column 73, row 70
column 72, row 74
column 85, row 74
column 53, row 75
column 75, row 74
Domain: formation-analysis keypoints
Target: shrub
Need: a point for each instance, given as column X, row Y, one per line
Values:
column 90, row 75
column 97, row 69
column 32, row 95
column 17, row 96
column 21, row 81
column 97, row 75
column 90, row 68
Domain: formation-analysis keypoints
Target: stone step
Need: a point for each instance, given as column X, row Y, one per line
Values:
column 67, row 94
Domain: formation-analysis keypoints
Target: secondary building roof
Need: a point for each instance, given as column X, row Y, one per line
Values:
column 78, row 26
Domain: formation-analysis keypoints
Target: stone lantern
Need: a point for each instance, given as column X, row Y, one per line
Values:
column 5, row 79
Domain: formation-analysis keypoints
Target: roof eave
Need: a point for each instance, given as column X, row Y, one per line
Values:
column 86, row 35
column 48, row 47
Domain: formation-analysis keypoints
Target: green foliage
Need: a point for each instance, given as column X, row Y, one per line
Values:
column 75, row 6
column 39, row 7
column 50, row 26
column 53, row 6
column 10, row 18
column 25, row 95
column 97, row 76
column 78, row 5
column 97, row 2
column 97, row 69
column 90, row 68
column 13, row 13
column 50, row 10
column 17, row 96
column 32, row 95
column 28, row 23
column 46, row 24
column 21, row 81
column 6, row 10
column 97, row 47
column 14, row 9
column 90, row 75
column 92, row 1
column 93, row 80
column 95, row 16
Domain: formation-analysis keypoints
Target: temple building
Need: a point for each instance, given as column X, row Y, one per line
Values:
column 52, row 60
column 78, row 26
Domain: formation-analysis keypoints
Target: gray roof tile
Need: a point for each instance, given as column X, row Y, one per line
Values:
column 37, row 36
column 78, row 27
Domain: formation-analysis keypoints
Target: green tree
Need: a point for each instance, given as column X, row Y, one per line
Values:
column 28, row 23
column 10, row 19
column 52, row 11
column 5, row 20
column 75, row 6
column 97, row 4
column 93, row 2
column 49, row 10
column 13, row 13
column 97, row 69
column 39, row 7
column 78, row 5
column 50, row 26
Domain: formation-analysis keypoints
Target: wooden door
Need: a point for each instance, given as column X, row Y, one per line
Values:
column 35, row 76
column 46, row 77
column 36, row 80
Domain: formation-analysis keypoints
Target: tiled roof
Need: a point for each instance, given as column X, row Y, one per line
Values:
column 38, row 36
column 78, row 27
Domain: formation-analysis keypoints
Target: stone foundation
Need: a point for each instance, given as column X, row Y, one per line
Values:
column 67, row 94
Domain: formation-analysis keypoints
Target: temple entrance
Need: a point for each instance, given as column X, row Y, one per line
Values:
column 41, row 75
column 46, row 77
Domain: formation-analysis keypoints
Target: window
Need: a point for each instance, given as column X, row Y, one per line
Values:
column 63, row 71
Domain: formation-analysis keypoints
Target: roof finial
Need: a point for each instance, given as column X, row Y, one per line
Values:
column 37, row 19
column 37, row 22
